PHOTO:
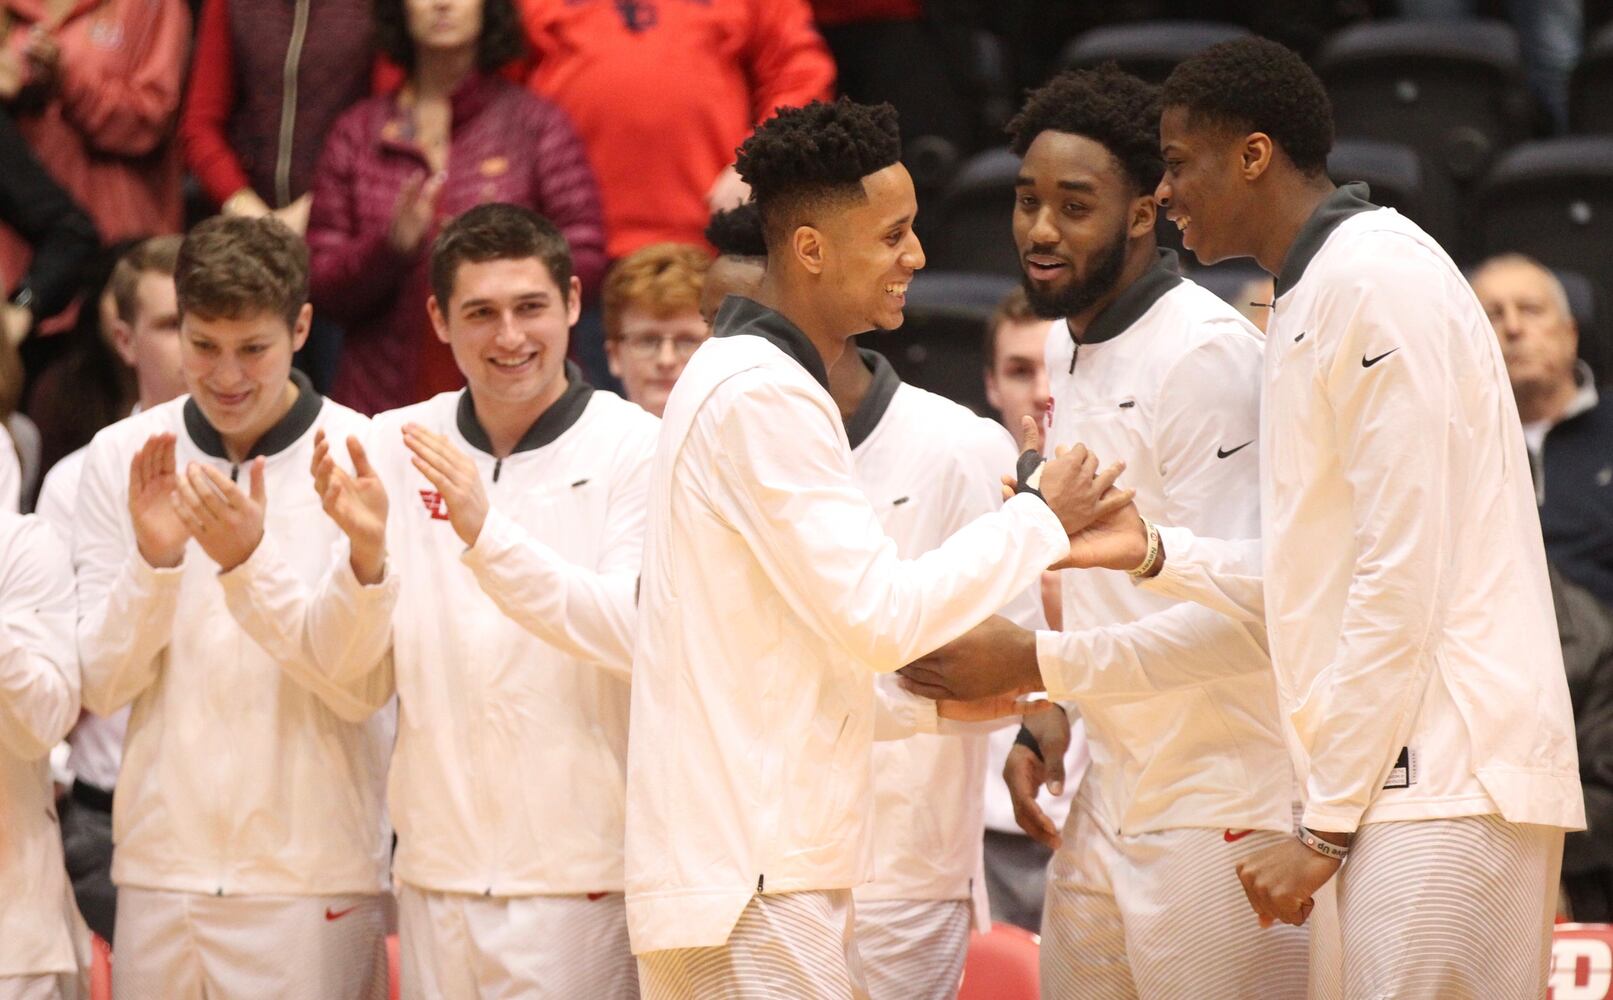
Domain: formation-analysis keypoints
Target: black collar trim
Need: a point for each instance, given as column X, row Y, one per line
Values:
column 1139, row 297
column 304, row 411
column 1348, row 200
column 551, row 423
column 872, row 409
column 740, row 315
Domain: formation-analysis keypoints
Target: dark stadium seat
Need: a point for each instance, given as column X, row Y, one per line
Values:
column 974, row 231
column 1552, row 200
column 1590, row 93
column 1400, row 180
column 939, row 346
column 1149, row 49
column 1452, row 90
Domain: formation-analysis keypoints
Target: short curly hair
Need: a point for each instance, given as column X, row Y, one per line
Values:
column 737, row 232
column 1107, row 105
column 1257, row 85
column 804, row 158
column 662, row 279
column 500, row 43
column 232, row 267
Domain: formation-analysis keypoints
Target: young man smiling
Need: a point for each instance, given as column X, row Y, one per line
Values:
column 248, row 817
column 509, row 517
column 1433, row 737
column 749, row 762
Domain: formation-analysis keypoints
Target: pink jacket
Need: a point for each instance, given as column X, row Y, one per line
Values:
column 506, row 145
column 105, row 131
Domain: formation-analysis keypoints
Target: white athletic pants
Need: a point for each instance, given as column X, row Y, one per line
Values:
column 1161, row 916
column 913, row 949
column 788, row 946
column 454, row 946
column 191, row 946
column 47, row 987
column 1448, row 909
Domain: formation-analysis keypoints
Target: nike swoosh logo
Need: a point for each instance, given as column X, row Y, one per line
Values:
column 1221, row 453
column 331, row 914
column 594, row 897
column 1367, row 362
column 899, row 501
column 1233, row 838
column 1301, row 336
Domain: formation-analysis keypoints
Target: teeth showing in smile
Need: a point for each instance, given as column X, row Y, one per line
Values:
column 896, row 289
column 510, row 362
column 1181, row 222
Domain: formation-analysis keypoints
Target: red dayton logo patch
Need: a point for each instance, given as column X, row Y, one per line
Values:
column 436, row 506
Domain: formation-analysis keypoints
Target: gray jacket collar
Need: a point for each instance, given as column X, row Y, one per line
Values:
column 1351, row 199
column 873, row 406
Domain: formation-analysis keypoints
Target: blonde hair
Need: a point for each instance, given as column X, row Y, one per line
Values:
column 664, row 279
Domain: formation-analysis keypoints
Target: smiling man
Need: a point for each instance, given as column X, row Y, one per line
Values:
column 771, row 594
column 509, row 517
column 1150, row 368
column 248, row 818
column 1433, row 737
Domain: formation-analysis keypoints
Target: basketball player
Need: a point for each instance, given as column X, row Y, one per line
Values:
column 509, row 518
column 248, row 819
column 748, row 786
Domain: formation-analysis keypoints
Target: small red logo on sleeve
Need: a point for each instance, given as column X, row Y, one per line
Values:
column 1233, row 836
column 436, row 506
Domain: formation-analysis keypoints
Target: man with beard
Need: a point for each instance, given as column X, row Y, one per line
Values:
column 1152, row 369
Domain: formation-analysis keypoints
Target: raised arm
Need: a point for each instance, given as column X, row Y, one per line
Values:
column 789, row 490
column 128, row 548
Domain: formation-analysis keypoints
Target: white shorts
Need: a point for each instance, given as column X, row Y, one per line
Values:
column 913, row 949
column 184, row 945
column 1161, row 916
column 1448, row 909
column 453, row 945
column 789, row 946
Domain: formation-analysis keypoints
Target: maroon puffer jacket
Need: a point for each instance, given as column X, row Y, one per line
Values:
column 506, row 145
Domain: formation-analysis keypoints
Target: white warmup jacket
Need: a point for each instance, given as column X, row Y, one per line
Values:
column 771, row 595
column 1405, row 586
column 929, row 467
column 244, row 772
column 39, row 688
column 511, row 658
column 1168, row 379
column 10, row 473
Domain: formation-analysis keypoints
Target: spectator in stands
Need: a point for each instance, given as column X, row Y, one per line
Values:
column 1570, row 435
column 61, row 237
column 1585, row 627
column 662, row 93
column 87, row 386
column 1016, row 374
column 145, row 334
column 652, row 319
column 455, row 135
column 94, row 88
column 1016, row 865
column 267, row 83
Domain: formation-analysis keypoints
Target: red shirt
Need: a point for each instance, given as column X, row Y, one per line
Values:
column 663, row 91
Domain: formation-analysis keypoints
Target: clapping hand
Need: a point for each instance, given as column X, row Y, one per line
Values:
column 226, row 523
column 159, row 532
column 357, row 502
column 454, row 475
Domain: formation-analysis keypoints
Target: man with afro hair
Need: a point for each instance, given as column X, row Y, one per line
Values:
column 1432, row 734
column 771, row 595
column 1150, row 368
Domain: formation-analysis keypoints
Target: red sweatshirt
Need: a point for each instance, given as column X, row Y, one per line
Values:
column 105, row 130
column 663, row 91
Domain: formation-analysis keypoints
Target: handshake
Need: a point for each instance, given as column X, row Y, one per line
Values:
column 996, row 660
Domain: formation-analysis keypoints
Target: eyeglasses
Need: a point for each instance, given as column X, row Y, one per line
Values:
column 646, row 346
